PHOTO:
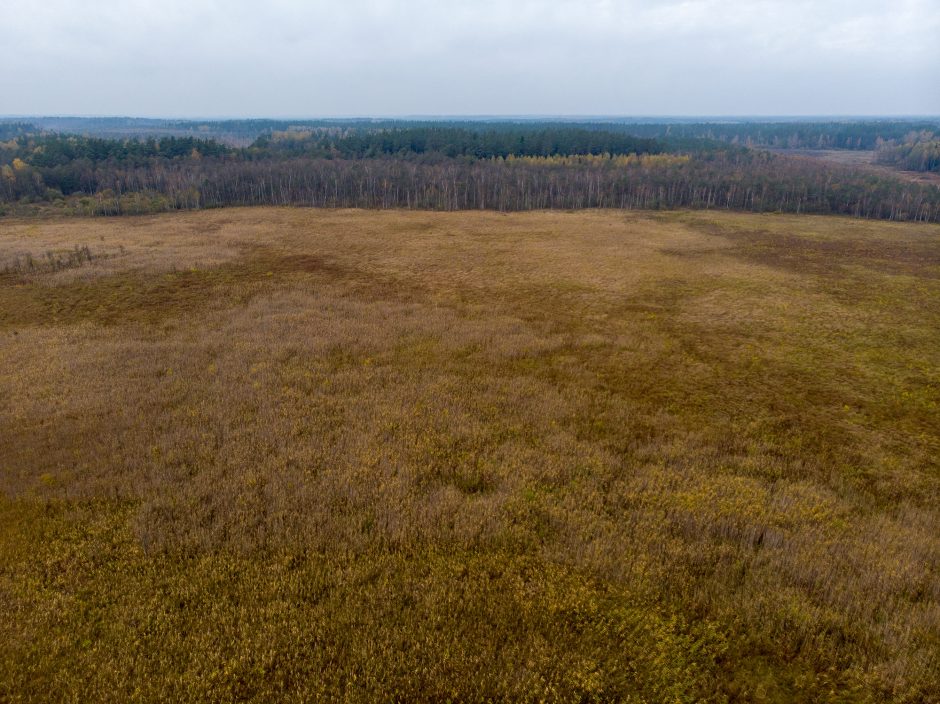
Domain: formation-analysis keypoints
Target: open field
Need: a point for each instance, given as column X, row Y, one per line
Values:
column 285, row 454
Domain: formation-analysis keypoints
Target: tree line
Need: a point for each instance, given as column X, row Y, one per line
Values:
column 453, row 142
column 67, row 164
column 851, row 135
column 920, row 151
column 777, row 133
column 749, row 181
column 53, row 150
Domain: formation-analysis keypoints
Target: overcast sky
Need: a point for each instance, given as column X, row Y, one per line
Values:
column 288, row 58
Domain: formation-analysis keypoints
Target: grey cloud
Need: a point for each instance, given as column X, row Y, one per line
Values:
column 379, row 57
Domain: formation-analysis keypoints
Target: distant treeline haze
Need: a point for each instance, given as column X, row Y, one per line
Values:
column 782, row 134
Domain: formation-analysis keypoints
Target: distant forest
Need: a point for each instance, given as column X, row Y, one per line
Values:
column 779, row 134
column 509, row 165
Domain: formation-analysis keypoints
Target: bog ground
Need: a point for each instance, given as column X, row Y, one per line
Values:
column 284, row 454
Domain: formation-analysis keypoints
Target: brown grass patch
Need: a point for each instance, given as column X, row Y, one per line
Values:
column 303, row 454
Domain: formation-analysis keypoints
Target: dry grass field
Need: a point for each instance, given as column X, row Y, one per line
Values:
column 300, row 455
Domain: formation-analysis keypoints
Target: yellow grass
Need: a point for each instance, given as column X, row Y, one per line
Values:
column 277, row 454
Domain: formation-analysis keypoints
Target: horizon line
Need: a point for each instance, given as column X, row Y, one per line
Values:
column 479, row 116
